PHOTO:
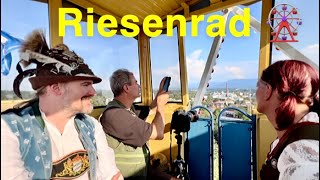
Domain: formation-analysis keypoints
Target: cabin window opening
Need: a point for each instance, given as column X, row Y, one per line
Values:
column 231, row 81
column 165, row 62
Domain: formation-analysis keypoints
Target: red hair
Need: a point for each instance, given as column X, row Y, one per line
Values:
column 291, row 79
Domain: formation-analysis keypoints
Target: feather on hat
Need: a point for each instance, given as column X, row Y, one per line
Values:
column 55, row 65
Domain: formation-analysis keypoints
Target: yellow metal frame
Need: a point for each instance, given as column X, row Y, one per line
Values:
column 53, row 6
column 183, row 72
column 265, row 135
column 145, row 68
column 265, row 45
column 265, row 131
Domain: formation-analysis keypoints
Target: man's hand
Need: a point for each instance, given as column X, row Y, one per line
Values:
column 154, row 102
column 161, row 84
column 162, row 99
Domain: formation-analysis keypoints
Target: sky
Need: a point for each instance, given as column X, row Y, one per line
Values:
column 238, row 57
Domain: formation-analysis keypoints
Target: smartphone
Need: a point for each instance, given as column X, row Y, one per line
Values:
column 166, row 84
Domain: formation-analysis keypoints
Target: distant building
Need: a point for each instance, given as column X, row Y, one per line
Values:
column 219, row 104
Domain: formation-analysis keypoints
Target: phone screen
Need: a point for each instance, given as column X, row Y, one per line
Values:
column 166, row 84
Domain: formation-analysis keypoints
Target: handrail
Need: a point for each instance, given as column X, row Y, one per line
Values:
column 203, row 107
column 251, row 117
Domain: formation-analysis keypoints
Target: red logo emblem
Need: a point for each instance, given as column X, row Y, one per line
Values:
column 284, row 21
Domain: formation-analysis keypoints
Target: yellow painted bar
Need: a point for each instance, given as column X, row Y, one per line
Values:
column 183, row 71
column 145, row 68
column 265, row 135
column 265, row 45
column 7, row 104
column 186, row 9
column 53, row 6
column 265, row 132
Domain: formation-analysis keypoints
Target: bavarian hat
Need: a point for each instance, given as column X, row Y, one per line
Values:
column 55, row 65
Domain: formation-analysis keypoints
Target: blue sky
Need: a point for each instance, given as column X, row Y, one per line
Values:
column 238, row 56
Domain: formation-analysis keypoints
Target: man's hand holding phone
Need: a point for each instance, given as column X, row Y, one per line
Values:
column 162, row 96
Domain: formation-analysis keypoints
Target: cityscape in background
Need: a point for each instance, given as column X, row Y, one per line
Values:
column 214, row 99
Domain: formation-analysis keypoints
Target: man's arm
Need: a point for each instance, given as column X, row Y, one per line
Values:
column 158, row 104
column 11, row 161
column 158, row 123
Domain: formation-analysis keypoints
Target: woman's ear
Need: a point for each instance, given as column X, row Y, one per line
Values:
column 268, row 92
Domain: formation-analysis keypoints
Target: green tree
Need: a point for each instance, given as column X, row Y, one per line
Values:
column 98, row 100
column 215, row 126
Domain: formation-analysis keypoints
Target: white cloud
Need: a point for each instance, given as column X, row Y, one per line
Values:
column 172, row 71
column 195, row 54
column 223, row 70
column 226, row 70
column 236, row 71
column 195, row 66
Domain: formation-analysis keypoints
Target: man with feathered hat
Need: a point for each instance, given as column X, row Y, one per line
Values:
column 51, row 136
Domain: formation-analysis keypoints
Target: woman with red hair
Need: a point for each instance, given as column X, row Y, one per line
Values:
column 288, row 94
